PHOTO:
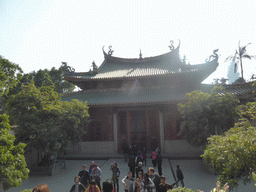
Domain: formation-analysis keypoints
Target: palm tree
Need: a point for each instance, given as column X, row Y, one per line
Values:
column 238, row 57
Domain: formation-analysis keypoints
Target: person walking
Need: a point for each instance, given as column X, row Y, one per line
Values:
column 128, row 182
column 84, row 176
column 144, row 156
column 115, row 176
column 132, row 164
column 180, row 176
column 153, row 157
column 125, row 149
column 159, row 159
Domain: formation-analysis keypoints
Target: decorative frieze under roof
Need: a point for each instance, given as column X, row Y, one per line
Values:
column 150, row 95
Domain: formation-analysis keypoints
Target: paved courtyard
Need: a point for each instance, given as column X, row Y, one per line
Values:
column 195, row 173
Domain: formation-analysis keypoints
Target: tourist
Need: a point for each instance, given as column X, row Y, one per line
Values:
column 132, row 164
column 107, row 186
column 93, row 187
column 96, row 175
column 157, row 150
column 134, row 149
column 138, row 182
column 125, row 149
column 77, row 187
column 115, row 176
column 144, row 156
column 41, row 188
column 138, row 159
column 84, row 176
column 154, row 177
column 180, row 175
column 139, row 169
column 91, row 168
column 128, row 182
column 163, row 186
column 153, row 157
column 147, row 185
column 159, row 162
column 170, row 187
column 130, row 151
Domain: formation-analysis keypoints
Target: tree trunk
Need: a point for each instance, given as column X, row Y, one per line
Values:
column 241, row 65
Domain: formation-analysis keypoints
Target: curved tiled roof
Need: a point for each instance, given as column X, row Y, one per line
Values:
column 165, row 64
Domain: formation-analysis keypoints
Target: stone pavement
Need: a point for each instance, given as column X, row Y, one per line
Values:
column 195, row 173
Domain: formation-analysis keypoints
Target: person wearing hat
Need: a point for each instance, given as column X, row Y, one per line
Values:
column 154, row 177
column 163, row 186
column 77, row 187
column 93, row 187
column 139, row 169
column 147, row 185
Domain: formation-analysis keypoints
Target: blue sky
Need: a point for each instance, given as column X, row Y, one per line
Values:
column 41, row 34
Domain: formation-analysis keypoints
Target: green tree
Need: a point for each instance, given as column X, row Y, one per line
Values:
column 44, row 122
column 205, row 114
column 42, row 78
column 61, row 85
column 12, row 160
column 54, row 77
column 8, row 79
column 240, row 54
column 233, row 155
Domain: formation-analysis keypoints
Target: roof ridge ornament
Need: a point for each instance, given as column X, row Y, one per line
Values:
column 184, row 59
column 110, row 52
column 94, row 68
column 140, row 54
column 66, row 68
column 171, row 47
column 214, row 56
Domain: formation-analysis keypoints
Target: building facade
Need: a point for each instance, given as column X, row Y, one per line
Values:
column 134, row 101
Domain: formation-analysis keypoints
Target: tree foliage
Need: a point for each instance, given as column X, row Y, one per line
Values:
column 233, row 155
column 12, row 161
column 205, row 114
column 8, row 79
column 53, row 77
column 44, row 121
